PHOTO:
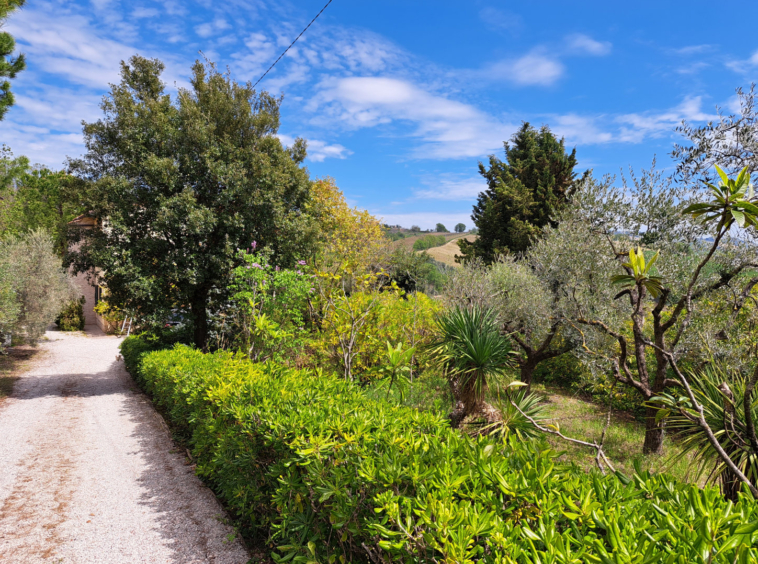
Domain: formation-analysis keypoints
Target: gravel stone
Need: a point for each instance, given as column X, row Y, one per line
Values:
column 89, row 473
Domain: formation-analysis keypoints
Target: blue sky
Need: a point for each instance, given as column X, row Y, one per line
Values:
column 399, row 100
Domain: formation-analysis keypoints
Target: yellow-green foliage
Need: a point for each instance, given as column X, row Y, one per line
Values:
column 326, row 474
column 391, row 317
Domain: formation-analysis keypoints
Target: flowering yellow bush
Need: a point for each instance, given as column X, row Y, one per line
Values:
column 356, row 328
column 352, row 239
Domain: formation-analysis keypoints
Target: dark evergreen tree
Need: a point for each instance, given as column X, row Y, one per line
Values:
column 9, row 66
column 182, row 185
column 523, row 193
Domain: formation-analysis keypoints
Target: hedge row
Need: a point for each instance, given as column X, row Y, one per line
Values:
column 328, row 475
column 429, row 242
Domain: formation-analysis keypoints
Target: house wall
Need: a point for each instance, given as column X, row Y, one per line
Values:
column 88, row 290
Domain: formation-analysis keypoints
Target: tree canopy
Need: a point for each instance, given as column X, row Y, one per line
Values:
column 523, row 193
column 37, row 198
column 182, row 186
column 9, row 66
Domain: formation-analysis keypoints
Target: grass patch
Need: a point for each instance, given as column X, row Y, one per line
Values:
column 623, row 443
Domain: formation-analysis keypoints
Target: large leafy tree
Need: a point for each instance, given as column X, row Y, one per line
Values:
column 182, row 186
column 9, row 66
column 38, row 198
column 523, row 195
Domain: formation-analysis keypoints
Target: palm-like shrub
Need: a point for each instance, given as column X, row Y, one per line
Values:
column 721, row 393
column 471, row 350
column 516, row 407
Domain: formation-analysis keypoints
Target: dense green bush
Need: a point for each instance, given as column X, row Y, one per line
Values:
column 428, row 242
column 71, row 317
column 328, row 475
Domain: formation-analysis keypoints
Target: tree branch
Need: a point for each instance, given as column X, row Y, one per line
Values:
column 598, row 447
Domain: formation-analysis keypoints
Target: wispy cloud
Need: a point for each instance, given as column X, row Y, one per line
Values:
column 498, row 19
column 214, row 27
column 536, row 68
column 693, row 50
column 744, row 65
column 450, row 187
column 586, row 45
column 636, row 127
column 446, row 128
column 319, row 151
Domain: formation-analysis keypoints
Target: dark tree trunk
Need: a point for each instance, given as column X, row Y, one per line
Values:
column 653, row 433
column 527, row 371
column 469, row 402
column 200, row 320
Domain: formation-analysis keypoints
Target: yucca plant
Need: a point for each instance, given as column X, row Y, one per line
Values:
column 471, row 350
column 721, row 393
column 640, row 273
column 516, row 406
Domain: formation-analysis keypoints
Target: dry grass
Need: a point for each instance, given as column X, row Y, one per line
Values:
column 446, row 253
column 623, row 443
column 12, row 364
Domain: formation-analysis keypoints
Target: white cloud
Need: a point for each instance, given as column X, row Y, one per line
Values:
column 580, row 130
column 584, row 44
column 533, row 69
column 636, row 127
column 318, row 150
column 447, row 128
column 66, row 45
column 451, row 187
column 212, row 28
column 145, row 13
column 746, row 65
column 693, row 49
column 500, row 19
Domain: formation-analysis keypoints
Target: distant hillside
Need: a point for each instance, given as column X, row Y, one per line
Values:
column 412, row 237
column 446, row 253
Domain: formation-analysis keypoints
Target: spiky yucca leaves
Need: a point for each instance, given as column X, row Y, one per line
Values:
column 471, row 350
column 513, row 423
column 721, row 393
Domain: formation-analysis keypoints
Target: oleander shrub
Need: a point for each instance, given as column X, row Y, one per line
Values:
column 324, row 474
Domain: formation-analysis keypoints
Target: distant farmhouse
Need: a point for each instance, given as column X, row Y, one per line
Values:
column 87, row 282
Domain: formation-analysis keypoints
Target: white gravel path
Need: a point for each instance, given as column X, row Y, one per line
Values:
column 89, row 473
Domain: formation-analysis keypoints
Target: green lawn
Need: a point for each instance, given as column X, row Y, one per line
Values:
column 584, row 420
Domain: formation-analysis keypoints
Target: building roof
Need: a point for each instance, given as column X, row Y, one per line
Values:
column 84, row 220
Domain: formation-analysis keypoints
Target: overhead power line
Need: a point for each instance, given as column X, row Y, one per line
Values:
column 291, row 44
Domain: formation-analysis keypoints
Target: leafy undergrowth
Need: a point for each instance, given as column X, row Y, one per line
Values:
column 326, row 474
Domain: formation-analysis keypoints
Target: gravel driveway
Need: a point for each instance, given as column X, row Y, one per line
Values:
column 88, row 471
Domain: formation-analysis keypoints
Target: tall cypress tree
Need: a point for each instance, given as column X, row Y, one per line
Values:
column 523, row 193
column 9, row 66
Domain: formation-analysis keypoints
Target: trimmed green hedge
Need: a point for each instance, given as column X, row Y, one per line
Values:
column 328, row 475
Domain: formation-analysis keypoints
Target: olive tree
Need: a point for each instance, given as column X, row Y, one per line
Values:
column 33, row 285
column 527, row 306
column 641, row 332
